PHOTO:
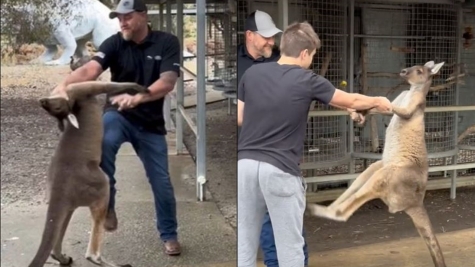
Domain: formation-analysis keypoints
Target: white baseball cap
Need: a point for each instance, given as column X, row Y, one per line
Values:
column 262, row 23
column 128, row 6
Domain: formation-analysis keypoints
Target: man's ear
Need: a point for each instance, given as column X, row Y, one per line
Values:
column 248, row 34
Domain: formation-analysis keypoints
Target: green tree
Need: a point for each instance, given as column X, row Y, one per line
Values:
column 29, row 21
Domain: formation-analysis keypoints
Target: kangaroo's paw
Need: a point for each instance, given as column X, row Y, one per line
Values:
column 106, row 263
column 63, row 259
column 96, row 259
column 324, row 212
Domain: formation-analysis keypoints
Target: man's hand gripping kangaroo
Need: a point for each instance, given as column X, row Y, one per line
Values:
column 399, row 178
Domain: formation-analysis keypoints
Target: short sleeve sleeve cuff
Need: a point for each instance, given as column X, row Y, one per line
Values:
column 171, row 56
column 321, row 88
column 107, row 52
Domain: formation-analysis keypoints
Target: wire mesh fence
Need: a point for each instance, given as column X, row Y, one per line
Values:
column 388, row 38
column 411, row 34
column 326, row 136
column 466, row 127
column 243, row 8
column 221, row 45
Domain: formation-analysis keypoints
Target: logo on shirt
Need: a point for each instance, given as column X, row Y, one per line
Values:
column 155, row 57
column 100, row 54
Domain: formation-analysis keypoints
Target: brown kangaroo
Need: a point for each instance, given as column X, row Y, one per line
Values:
column 74, row 176
column 399, row 178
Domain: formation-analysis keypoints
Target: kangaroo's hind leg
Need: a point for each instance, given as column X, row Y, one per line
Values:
column 372, row 189
column 94, row 255
column 96, row 240
column 57, row 254
column 57, row 212
column 98, row 212
column 358, row 183
column 423, row 225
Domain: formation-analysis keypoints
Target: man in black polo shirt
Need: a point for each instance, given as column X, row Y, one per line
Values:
column 149, row 58
column 273, row 103
column 259, row 47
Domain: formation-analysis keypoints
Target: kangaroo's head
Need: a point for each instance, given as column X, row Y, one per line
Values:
column 61, row 109
column 419, row 75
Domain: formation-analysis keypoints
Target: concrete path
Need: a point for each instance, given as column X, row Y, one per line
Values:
column 206, row 238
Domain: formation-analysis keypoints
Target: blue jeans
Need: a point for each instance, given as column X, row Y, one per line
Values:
column 268, row 244
column 153, row 152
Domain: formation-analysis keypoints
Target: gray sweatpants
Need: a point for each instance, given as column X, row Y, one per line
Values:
column 262, row 185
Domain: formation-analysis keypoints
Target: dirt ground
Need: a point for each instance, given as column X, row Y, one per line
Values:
column 28, row 134
column 372, row 223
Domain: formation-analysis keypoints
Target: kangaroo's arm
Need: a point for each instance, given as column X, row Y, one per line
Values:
column 403, row 112
column 409, row 110
column 399, row 98
column 395, row 102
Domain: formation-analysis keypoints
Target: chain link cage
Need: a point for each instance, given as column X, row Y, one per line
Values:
column 221, row 44
column 466, row 120
column 411, row 34
column 388, row 36
column 326, row 147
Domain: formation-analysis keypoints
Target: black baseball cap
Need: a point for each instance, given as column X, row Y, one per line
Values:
column 262, row 23
column 127, row 6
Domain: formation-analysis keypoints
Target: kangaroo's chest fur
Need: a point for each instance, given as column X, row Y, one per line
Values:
column 82, row 146
column 405, row 143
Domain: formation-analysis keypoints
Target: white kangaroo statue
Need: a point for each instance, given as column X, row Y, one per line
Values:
column 74, row 24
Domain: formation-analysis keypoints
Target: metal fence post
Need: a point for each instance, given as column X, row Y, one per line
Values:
column 453, row 179
column 180, row 84
column 167, row 102
column 201, row 100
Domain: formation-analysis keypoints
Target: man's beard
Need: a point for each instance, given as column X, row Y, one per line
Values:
column 127, row 35
column 266, row 52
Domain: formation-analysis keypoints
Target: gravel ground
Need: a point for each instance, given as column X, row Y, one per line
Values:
column 28, row 134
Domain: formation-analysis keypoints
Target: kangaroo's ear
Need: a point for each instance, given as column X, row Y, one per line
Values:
column 429, row 64
column 436, row 68
column 73, row 120
column 44, row 103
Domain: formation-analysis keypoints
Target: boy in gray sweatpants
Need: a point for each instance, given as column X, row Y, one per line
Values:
column 263, row 184
column 273, row 103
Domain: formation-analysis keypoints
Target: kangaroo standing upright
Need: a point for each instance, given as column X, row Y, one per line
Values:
column 399, row 179
column 75, row 178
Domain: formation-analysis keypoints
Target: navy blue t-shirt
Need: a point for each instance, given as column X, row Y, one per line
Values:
column 277, row 100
